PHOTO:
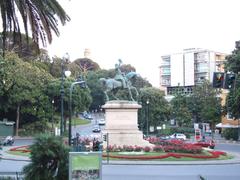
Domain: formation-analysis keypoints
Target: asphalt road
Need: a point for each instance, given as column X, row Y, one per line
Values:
column 171, row 172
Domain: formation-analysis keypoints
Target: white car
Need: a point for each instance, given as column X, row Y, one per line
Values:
column 101, row 122
column 178, row 136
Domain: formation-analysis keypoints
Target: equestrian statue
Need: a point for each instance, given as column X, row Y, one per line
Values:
column 120, row 81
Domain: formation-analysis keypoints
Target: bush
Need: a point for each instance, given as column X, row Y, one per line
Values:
column 231, row 133
column 34, row 128
column 49, row 159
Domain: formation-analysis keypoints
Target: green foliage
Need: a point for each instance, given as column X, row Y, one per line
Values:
column 180, row 111
column 49, row 159
column 233, row 61
column 231, row 133
column 205, row 104
column 81, row 98
column 24, row 88
column 35, row 128
column 157, row 109
column 94, row 85
column 233, row 99
column 39, row 17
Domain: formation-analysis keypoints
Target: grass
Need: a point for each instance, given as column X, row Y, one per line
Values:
column 27, row 154
column 78, row 121
column 85, row 162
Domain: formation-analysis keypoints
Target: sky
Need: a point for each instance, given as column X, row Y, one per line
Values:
column 139, row 32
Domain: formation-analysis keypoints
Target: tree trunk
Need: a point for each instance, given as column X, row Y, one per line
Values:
column 17, row 119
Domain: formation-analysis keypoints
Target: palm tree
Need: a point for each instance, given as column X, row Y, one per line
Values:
column 39, row 16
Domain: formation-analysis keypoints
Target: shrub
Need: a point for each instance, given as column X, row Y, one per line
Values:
column 231, row 133
column 158, row 148
column 128, row 148
column 146, row 149
column 138, row 148
column 49, row 159
column 34, row 128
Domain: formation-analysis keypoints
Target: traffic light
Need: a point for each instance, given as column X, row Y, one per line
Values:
column 229, row 81
column 218, row 79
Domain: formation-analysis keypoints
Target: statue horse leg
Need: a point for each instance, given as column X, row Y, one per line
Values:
column 106, row 94
column 130, row 93
column 135, row 89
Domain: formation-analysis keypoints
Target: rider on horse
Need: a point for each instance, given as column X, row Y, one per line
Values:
column 121, row 75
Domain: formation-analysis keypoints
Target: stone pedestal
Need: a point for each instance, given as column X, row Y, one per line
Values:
column 122, row 124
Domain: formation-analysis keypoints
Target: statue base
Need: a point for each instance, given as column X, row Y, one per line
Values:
column 122, row 124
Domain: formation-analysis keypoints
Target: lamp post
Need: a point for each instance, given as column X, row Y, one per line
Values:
column 52, row 114
column 147, row 116
column 83, row 85
column 63, row 73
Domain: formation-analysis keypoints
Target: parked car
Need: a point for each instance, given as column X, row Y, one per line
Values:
column 96, row 129
column 101, row 122
column 179, row 136
column 205, row 143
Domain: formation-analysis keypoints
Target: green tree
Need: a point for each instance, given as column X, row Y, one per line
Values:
column 23, row 88
column 82, row 66
column 233, row 65
column 159, row 111
column 180, row 111
column 205, row 104
column 81, row 98
column 49, row 159
column 94, row 85
column 41, row 17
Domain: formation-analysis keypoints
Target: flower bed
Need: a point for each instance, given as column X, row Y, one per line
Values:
column 21, row 149
column 213, row 155
column 141, row 153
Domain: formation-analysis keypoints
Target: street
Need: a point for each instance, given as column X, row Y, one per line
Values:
column 171, row 172
column 149, row 171
column 146, row 172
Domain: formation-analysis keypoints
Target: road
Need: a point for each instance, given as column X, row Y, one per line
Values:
column 171, row 172
column 152, row 172
column 228, row 147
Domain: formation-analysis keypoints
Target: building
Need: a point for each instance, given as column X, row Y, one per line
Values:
column 182, row 71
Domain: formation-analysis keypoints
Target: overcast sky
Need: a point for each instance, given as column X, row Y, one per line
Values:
column 140, row 31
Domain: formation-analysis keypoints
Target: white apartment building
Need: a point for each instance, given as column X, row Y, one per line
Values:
column 189, row 68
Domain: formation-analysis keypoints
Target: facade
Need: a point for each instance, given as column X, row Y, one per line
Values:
column 184, row 70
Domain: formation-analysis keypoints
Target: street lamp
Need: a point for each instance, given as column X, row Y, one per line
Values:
column 147, row 116
column 82, row 84
column 67, row 74
column 52, row 114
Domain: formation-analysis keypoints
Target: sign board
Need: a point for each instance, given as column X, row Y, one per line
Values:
column 196, row 126
column 151, row 129
column 85, row 165
column 198, row 135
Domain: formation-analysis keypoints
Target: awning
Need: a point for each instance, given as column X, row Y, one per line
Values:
column 220, row 125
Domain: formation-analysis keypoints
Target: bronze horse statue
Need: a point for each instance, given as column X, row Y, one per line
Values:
column 120, row 81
